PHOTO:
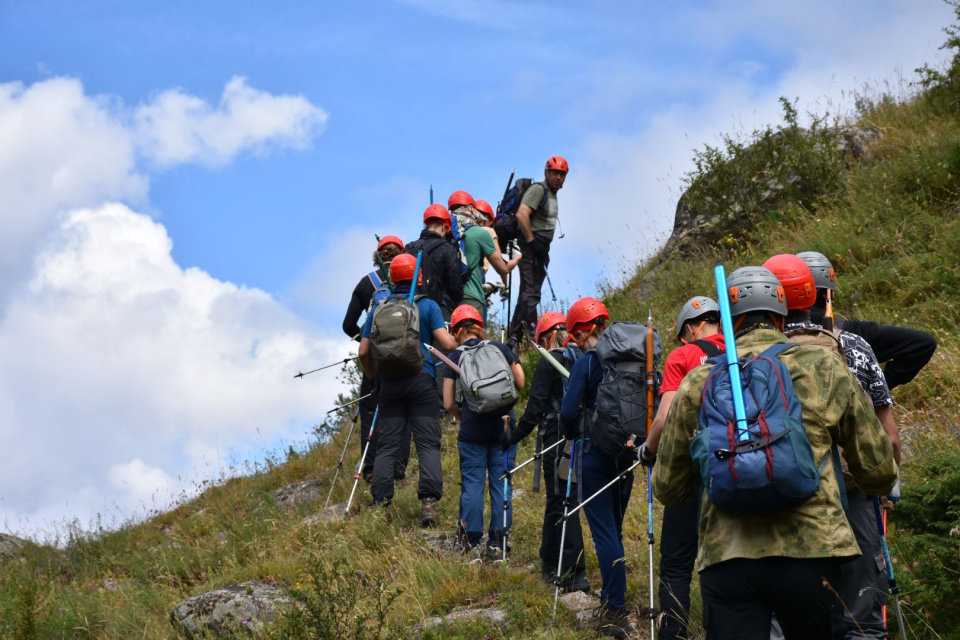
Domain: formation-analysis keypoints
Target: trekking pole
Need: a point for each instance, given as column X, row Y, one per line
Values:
column 337, row 363
column 733, row 362
column 828, row 312
column 552, row 294
column 431, row 194
column 353, row 423
column 535, row 457
column 651, row 382
column 503, row 311
column 552, row 361
column 621, row 476
column 506, row 486
column 363, row 458
column 563, row 529
column 444, row 359
column 384, row 270
column 347, row 404
column 891, row 579
column 416, row 272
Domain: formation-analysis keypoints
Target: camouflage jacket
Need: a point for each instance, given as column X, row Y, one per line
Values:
column 834, row 410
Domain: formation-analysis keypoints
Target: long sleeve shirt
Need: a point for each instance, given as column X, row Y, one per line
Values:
column 581, row 393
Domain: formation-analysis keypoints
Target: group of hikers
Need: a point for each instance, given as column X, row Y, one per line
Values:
column 756, row 432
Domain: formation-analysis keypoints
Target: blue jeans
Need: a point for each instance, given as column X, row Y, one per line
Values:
column 605, row 517
column 482, row 464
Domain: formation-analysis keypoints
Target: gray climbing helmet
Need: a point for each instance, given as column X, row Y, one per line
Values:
column 755, row 289
column 823, row 274
column 694, row 308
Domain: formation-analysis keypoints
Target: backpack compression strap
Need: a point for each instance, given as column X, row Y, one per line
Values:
column 708, row 348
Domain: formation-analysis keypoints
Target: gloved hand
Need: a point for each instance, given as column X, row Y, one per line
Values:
column 646, row 457
column 541, row 249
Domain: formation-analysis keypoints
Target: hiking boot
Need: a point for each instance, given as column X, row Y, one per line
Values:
column 490, row 553
column 514, row 345
column 608, row 621
column 576, row 582
column 428, row 512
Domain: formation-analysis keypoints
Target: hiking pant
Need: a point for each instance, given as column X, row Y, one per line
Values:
column 408, row 403
column 605, row 517
column 368, row 407
column 481, row 465
column 532, row 275
column 573, row 557
column 678, row 553
column 905, row 351
column 740, row 596
column 863, row 580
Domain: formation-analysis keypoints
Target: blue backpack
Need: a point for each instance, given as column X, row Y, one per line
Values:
column 505, row 224
column 773, row 469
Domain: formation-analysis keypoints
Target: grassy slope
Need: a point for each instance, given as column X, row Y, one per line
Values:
column 894, row 237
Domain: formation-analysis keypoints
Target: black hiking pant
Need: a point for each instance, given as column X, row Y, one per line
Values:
column 573, row 557
column 408, row 406
column 863, row 580
column 678, row 553
column 740, row 597
column 368, row 407
column 532, row 275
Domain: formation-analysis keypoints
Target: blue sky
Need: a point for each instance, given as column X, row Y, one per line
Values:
column 191, row 189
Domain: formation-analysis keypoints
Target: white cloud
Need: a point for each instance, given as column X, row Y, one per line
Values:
column 176, row 128
column 124, row 377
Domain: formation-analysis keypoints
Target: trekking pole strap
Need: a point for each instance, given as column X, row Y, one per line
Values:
column 733, row 362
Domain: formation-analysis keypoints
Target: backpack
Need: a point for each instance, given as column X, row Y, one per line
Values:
column 381, row 290
column 485, row 378
column 431, row 267
column 820, row 337
column 505, row 223
column 619, row 420
column 395, row 337
column 772, row 471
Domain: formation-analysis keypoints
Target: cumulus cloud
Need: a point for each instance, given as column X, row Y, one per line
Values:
column 123, row 376
column 176, row 127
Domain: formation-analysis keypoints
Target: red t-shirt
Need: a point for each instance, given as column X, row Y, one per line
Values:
column 682, row 361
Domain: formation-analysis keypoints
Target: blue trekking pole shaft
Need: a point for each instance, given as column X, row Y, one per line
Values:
column 416, row 272
column 506, row 486
column 733, row 363
column 891, row 579
column 431, row 194
column 563, row 529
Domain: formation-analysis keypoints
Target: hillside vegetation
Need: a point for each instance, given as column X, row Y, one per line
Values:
column 889, row 221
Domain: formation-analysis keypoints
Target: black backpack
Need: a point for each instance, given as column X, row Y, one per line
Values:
column 505, row 224
column 431, row 266
column 619, row 420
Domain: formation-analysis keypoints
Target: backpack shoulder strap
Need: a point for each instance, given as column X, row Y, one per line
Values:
column 708, row 348
column 375, row 279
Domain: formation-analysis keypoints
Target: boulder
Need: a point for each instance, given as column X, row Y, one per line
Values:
column 10, row 546
column 246, row 606
column 496, row 617
column 294, row 495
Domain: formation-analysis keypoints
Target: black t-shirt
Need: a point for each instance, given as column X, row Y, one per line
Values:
column 359, row 302
column 475, row 428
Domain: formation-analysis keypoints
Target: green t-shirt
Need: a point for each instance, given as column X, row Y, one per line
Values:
column 542, row 221
column 477, row 244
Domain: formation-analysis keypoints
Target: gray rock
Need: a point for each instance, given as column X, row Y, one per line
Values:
column 497, row 617
column 333, row 513
column 294, row 495
column 236, row 607
column 10, row 546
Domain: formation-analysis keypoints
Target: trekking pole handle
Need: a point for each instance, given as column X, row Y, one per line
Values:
column 347, row 404
column 444, row 359
column 619, row 477
column 733, row 362
column 338, row 362
column 552, row 361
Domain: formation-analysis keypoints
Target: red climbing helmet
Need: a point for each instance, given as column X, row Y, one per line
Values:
column 796, row 278
column 557, row 163
column 548, row 321
column 458, row 198
column 387, row 240
column 585, row 312
column 402, row 268
column 463, row 313
column 484, row 207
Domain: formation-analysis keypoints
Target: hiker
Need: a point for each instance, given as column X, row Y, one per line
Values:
column 586, row 322
column 440, row 264
column 370, row 286
column 863, row 580
column 478, row 243
column 407, row 397
column 542, row 413
column 698, row 331
column 536, row 221
column 903, row 351
column 778, row 561
column 481, row 425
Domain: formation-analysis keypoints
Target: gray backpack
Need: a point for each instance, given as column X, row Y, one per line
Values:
column 395, row 337
column 485, row 378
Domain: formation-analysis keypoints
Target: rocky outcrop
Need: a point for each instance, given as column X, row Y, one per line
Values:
column 299, row 493
column 246, row 606
column 10, row 546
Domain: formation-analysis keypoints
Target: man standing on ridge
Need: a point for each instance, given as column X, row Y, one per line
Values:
column 440, row 263
column 362, row 301
column 698, row 330
column 409, row 401
column 752, row 567
column 536, row 220
column 478, row 244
